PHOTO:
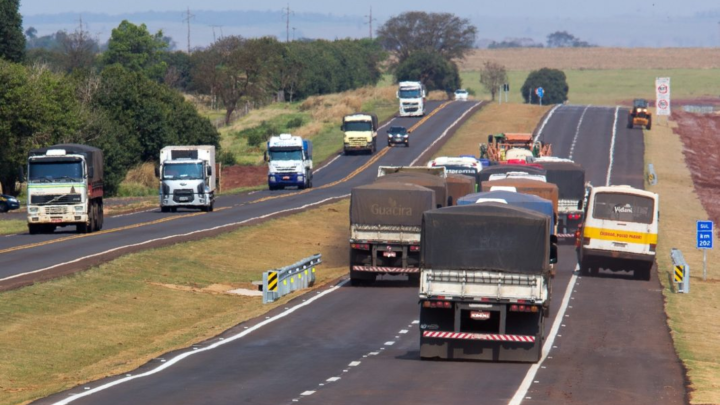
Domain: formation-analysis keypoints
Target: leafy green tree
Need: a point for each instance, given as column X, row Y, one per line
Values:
column 431, row 68
column 492, row 76
column 37, row 108
column 12, row 40
column 553, row 82
column 136, row 49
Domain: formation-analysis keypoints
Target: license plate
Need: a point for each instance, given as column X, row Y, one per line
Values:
column 183, row 198
column 390, row 254
column 286, row 177
column 56, row 220
column 480, row 315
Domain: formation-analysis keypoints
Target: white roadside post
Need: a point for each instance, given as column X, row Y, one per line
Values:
column 662, row 97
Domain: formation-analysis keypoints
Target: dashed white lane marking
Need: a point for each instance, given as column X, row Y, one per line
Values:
column 354, row 364
column 184, row 355
column 404, row 331
column 415, row 322
column 306, row 393
column 389, row 343
column 443, row 134
column 545, row 121
column 612, row 146
column 532, row 372
column 332, row 379
column 577, row 132
column 373, row 353
column 269, row 215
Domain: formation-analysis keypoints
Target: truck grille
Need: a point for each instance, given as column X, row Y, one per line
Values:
column 56, row 210
column 285, row 169
column 56, row 199
column 183, row 196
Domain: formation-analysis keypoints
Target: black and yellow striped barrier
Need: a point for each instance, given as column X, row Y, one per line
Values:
column 279, row 282
column 680, row 272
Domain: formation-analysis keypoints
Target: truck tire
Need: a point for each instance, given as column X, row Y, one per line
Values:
column 211, row 208
column 4, row 208
column 33, row 229
column 95, row 220
column 173, row 209
column 101, row 215
column 649, row 123
column 164, row 209
column 643, row 273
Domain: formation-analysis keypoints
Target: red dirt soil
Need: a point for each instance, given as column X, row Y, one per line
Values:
column 700, row 134
column 243, row 176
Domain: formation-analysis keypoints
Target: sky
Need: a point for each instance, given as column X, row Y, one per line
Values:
column 624, row 23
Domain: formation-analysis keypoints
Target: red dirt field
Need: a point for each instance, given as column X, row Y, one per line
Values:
column 243, row 176
column 700, row 134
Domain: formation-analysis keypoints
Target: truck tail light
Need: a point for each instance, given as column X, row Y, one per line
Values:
column 415, row 248
column 652, row 247
column 360, row 246
column 437, row 304
column 574, row 216
column 523, row 308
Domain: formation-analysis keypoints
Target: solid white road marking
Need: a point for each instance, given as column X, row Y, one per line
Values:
column 577, row 132
column 326, row 165
column 443, row 134
column 545, row 121
column 530, row 376
column 612, row 147
column 178, row 358
column 175, row 236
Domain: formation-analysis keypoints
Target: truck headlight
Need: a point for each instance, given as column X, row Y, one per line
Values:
column 79, row 208
column 300, row 177
column 272, row 179
column 33, row 210
column 405, row 136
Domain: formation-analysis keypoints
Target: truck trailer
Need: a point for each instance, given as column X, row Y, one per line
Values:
column 485, row 283
column 289, row 161
column 570, row 179
column 187, row 177
column 385, row 223
column 65, row 187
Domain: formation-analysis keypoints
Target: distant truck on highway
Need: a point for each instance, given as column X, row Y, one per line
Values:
column 187, row 177
column 570, row 179
column 485, row 282
column 620, row 231
column 65, row 187
column 412, row 99
column 289, row 161
column 360, row 133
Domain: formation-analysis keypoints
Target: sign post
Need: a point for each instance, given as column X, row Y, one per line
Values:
column 662, row 96
column 540, row 92
column 704, row 241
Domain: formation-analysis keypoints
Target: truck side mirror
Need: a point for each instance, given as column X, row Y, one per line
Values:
column 157, row 171
column 342, row 127
column 580, row 204
column 22, row 174
column 209, row 171
column 91, row 172
column 265, row 156
column 553, row 249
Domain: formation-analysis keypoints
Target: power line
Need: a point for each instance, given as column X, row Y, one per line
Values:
column 286, row 13
column 213, row 29
column 370, row 22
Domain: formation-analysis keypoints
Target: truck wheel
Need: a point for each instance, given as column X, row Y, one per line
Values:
column 414, row 278
column 173, row 209
column 81, row 228
column 101, row 216
column 211, row 208
column 164, row 209
column 649, row 124
column 4, row 208
column 96, row 218
column 33, row 229
column 643, row 273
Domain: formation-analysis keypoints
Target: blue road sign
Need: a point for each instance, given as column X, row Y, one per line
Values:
column 540, row 92
column 704, row 235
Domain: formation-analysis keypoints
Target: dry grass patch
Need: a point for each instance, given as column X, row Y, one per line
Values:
column 114, row 318
column 12, row 226
column 594, row 58
column 332, row 107
column 491, row 119
column 692, row 317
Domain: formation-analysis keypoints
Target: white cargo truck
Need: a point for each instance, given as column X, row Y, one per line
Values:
column 187, row 178
column 412, row 99
column 289, row 161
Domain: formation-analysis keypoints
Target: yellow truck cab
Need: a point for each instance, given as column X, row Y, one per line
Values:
column 360, row 132
column 620, row 231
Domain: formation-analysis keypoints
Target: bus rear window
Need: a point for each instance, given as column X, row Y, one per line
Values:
column 623, row 208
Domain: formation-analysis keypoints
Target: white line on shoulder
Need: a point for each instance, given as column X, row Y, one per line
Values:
column 612, row 147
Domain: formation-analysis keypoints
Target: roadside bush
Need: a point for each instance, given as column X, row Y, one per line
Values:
column 553, row 82
column 296, row 122
column 227, row 158
column 436, row 72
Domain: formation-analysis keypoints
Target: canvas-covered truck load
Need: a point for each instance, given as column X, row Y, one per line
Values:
column 65, row 187
column 458, row 186
column 541, row 189
column 570, row 179
column 485, row 174
column 485, row 282
column 385, row 221
column 435, row 183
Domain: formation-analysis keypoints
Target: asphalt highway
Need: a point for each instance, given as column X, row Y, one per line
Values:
column 607, row 337
column 26, row 258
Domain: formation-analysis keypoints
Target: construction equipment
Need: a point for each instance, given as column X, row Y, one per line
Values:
column 640, row 115
column 513, row 148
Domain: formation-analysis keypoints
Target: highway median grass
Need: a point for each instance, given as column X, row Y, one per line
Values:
column 692, row 318
column 12, row 226
column 117, row 316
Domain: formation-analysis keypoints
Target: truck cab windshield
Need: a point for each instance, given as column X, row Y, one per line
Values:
column 359, row 126
column 286, row 155
column 55, row 171
column 183, row 171
column 414, row 93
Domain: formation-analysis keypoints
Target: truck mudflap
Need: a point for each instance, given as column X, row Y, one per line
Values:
column 374, row 269
column 479, row 336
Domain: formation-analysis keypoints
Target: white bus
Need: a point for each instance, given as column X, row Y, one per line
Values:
column 620, row 231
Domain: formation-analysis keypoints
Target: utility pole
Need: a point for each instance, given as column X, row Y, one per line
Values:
column 286, row 13
column 213, row 28
column 187, row 19
column 370, row 23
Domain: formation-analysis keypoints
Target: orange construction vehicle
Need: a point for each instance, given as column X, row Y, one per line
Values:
column 640, row 114
column 513, row 148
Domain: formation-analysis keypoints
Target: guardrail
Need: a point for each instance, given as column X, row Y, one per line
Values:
column 651, row 175
column 680, row 271
column 285, row 280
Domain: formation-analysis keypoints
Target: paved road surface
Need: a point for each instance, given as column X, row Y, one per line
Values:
column 360, row 345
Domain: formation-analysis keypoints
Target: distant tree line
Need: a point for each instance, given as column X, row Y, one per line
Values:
column 558, row 39
column 123, row 96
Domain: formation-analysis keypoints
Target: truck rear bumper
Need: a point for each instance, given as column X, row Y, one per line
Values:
column 479, row 336
column 616, row 255
column 374, row 269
